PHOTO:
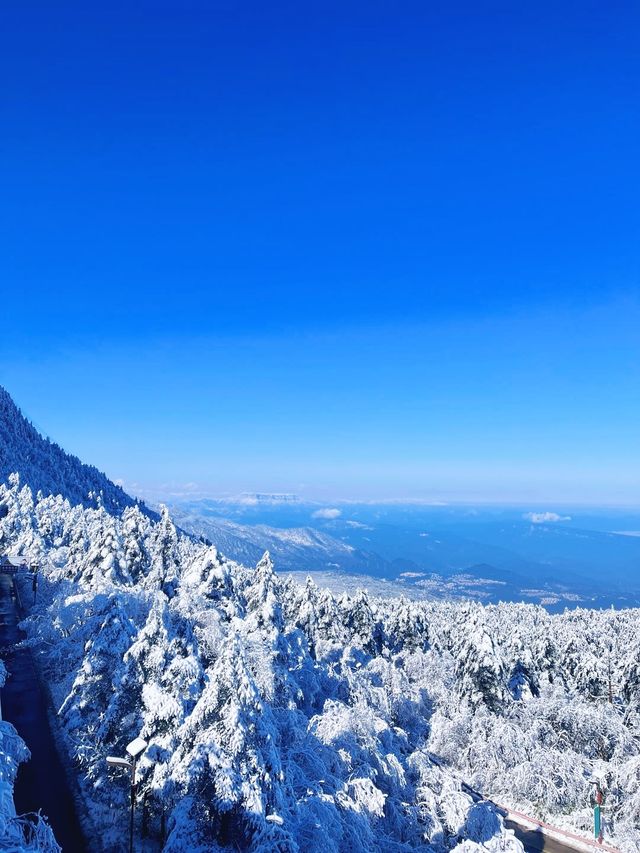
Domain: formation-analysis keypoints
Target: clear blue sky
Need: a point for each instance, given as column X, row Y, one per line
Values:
column 350, row 250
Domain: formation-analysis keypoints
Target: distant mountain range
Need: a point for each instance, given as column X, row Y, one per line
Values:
column 487, row 554
column 46, row 467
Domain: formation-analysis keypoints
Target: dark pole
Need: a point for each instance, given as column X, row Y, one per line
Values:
column 145, row 814
column 133, row 804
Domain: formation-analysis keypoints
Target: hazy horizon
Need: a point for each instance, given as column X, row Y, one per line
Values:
column 174, row 493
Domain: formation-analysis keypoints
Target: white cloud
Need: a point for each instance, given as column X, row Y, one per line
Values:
column 545, row 517
column 327, row 513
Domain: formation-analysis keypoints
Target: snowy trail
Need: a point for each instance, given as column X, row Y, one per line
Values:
column 535, row 842
column 41, row 783
column 538, row 836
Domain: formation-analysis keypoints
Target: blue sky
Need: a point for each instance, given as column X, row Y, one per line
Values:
column 350, row 250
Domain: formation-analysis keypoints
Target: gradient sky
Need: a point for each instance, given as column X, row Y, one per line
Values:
column 376, row 250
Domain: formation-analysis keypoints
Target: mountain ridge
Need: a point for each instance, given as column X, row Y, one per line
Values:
column 46, row 467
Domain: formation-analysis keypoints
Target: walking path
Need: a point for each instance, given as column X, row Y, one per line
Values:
column 535, row 842
column 41, row 783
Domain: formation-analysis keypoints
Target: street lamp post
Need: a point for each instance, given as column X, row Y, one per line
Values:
column 34, row 582
column 134, row 750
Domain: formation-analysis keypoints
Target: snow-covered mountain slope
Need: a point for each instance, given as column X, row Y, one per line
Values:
column 283, row 718
column 46, row 467
column 299, row 549
column 270, row 709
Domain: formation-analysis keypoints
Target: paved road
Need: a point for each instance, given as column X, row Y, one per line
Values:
column 41, row 782
column 535, row 842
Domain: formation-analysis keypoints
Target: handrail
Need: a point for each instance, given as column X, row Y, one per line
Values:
column 597, row 845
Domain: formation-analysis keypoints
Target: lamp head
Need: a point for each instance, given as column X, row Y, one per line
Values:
column 136, row 748
column 113, row 761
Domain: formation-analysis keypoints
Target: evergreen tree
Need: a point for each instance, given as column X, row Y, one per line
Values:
column 163, row 549
column 480, row 672
column 135, row 529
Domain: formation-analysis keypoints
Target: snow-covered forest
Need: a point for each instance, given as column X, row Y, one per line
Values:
column 282, row 718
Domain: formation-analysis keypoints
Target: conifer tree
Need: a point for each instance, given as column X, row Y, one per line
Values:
column 163, row 549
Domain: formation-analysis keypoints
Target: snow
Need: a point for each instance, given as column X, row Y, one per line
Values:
column 281, row 716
